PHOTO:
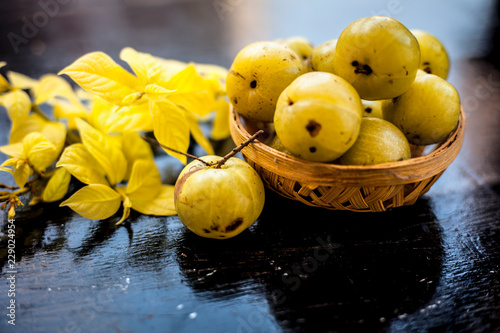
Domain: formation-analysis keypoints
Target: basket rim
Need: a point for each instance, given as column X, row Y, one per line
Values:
column 319, row 173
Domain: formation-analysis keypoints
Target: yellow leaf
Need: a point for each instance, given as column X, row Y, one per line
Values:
column 191, row 91
column 51, row 86
column 135, row 148
column 94, row 202
column 53, row 131
column 56, row 134
column 18, row 106
column 215, row 76
column 204, row 81
column 57, row 186
column 145, row 66
column 156, row 89
column 126, row 213
column 21, row 81
column 34, row 123
column 103, row 115
column 96, row 72
column 161, row 205
column 198, row 135
column 83, row 166
column 20, row 170
column 220, row 127
column 35, row 147
column 70, row 111
column 170, row 67
column 133, row 119
column 211, row 71
column 216, row 86
column 135, row 98
column 15, row 150
column 156, row 92
column 84, row 95
column 65, row 109
column 129, row 118
column 145, row 180
column 199, row 102
column 127, row 204
column 2, row 64
column 187, row 80
column 105, row 150
column 39, row 151
column 171, row 127
column 9, row 163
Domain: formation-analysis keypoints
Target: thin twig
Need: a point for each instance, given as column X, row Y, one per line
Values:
column 236, row 150
column 15, row 194
column 36, row 109
column 154, row 141
column 8, row 187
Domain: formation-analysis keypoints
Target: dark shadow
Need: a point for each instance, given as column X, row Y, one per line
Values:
column 493, row 39
column 223, row 268
column 357, row 270
column 33, row 222
column 148, row 241
column 96, row 235
column 323, row 270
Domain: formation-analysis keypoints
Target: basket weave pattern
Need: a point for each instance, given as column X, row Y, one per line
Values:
column 373, row 188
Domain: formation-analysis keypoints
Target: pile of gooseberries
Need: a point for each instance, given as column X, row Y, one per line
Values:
column 364, row 98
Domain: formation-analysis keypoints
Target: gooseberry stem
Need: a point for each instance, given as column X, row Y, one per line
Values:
column 236, row 150
column 217, row 164
column 8, row 187
column 151, row 140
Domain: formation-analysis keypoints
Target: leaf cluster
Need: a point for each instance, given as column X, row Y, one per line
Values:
column 95, row 132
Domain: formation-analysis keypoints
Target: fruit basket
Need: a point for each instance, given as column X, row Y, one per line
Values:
column 371, row 188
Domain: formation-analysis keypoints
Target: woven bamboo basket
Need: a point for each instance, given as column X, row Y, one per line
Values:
column 372, row 188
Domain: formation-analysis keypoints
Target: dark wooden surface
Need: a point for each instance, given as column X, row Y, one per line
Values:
column 431, row 267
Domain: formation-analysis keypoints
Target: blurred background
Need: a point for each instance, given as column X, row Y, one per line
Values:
column 40, row 36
